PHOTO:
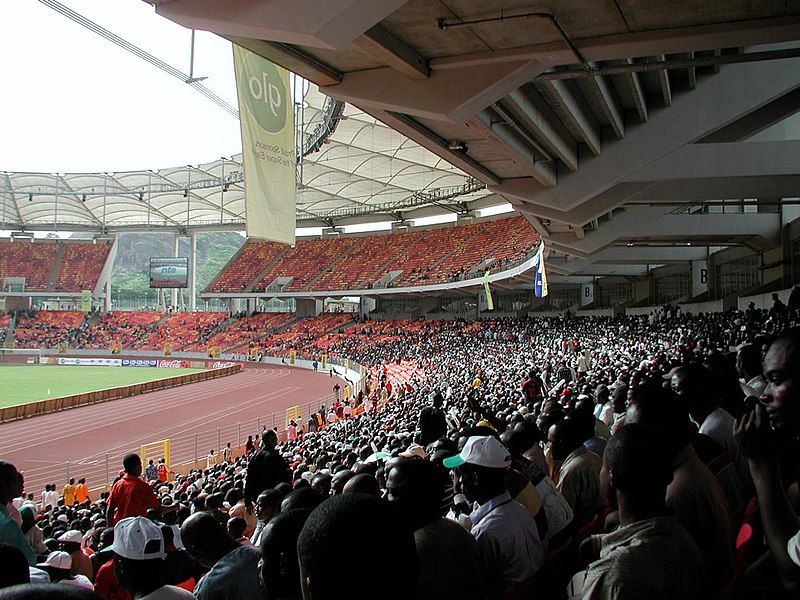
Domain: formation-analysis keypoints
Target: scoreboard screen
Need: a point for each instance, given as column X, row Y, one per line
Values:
column 169, row 272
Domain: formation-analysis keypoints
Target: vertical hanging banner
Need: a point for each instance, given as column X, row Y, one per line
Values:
column 267, row 121
column 487, row 289
column 540, row 282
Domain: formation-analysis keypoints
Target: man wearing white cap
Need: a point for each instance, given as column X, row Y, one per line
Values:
column 58, row 566
column 139, row 560
column 71, row 542
column 507, row 537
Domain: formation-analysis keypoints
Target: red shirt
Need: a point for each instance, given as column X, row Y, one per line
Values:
column 132, row 497
column 106, row 584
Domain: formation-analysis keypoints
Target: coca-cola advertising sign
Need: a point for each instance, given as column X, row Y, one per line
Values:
column 221, row 365
column 173, row 364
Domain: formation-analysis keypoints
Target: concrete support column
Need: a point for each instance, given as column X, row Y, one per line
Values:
column 309, row 307
column 107, row 303
column 251, row 305
column 174, row 291
column 192, row 271
column 367, row 305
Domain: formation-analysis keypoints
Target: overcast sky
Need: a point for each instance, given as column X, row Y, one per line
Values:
column 75, row 102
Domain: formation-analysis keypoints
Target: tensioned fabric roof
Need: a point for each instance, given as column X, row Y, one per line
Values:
column 354, row 168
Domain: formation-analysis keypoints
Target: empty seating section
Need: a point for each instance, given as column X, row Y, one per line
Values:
column 487, row 240
column 242, row 332
column 244, row 268
column 416, row 263
column 32, row 260
column 181, row 329
column 356, row 263
column 357, row 269
column 117, row 330
column 47, row 328
column 81, row 265
column 305, row 261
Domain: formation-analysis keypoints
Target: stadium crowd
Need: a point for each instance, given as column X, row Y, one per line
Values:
column 627, row 457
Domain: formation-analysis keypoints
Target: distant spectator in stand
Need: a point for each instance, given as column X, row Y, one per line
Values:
column 235, row 499
column 150, row 471
column 432, row 424
column 68, row 493
column 130, row 496
column 163, row 470
column 233, row 569
column 211, row 459
column 359, row 526
column 139, row 560
column 81, row 491
column 748, row 366
column 265, row 469
column 227, row 453
column 10, row 532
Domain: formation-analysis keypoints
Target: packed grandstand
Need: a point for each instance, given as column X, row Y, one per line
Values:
column 633, row 433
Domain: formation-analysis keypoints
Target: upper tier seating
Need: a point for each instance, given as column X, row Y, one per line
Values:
column 239, row 273
column 305, row 261
column 77, row 265
column 32, row 260
column 425, row 257
column 81, row 265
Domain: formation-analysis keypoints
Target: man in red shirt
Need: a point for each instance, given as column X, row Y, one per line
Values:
column 130, row 496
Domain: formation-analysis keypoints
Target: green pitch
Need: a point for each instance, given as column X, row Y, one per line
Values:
column 20, row 384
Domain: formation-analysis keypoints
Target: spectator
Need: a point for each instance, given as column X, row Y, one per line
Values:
column 58, row 566
column 233, row 569
column 359, row 526
column 579, row 471
column 139, row 560
column 650, row 555
column 10, row 532
column 265, row 469
column 279, row 567
column 71, row 542
column 764, row 434
column 694, row 494
column 130, row 496
column 448, row 556
column 510, row 550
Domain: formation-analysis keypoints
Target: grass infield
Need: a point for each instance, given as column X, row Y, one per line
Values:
column 20, row 384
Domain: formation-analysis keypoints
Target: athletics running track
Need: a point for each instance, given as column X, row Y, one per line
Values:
column 218, row 410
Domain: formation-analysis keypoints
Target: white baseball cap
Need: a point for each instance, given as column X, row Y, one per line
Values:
column 73, row 535
column 484, row 451
column 138, row 538
column 57, row 560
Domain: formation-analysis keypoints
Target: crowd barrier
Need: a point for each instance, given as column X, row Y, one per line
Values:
column 50, row 405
